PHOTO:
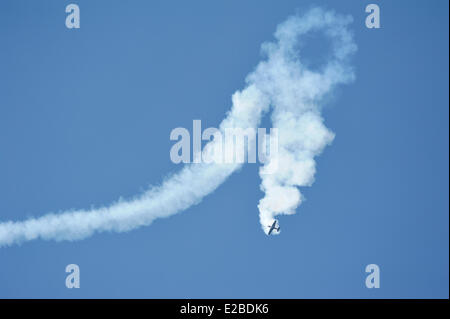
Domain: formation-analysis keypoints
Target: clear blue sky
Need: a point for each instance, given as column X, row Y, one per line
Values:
column 85, row 118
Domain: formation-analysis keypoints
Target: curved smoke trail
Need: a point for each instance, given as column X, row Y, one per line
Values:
column 281, row 83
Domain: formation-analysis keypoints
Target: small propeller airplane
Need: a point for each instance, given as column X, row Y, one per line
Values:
column 273, row 227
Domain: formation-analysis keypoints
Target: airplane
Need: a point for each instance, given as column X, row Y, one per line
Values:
column 273, row 227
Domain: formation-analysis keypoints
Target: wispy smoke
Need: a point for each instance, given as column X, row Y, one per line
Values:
column 295, row 92
column 281, row 83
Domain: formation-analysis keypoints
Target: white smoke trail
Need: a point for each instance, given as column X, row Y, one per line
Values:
column 295, row 93
column 282, row 82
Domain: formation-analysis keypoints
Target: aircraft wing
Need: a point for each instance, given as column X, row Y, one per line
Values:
column 272, row 227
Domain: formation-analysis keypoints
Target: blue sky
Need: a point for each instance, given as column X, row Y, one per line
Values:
column 85, row 118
